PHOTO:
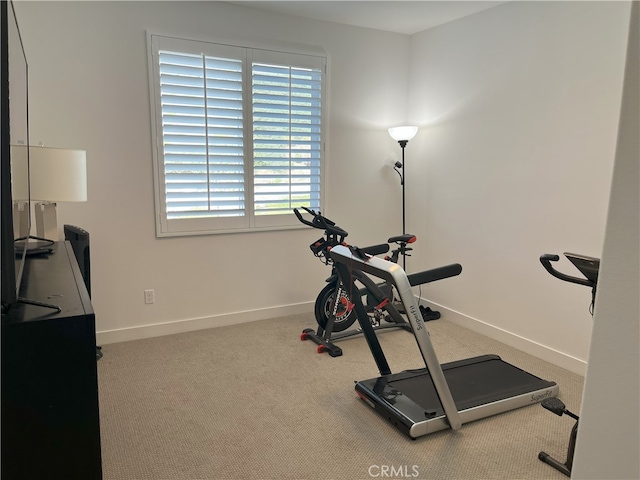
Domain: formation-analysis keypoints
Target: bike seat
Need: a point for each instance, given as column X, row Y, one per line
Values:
column 406, row 238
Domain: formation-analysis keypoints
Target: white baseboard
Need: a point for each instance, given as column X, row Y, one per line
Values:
column 550, row 355
column 193, row 324
column 538, row 350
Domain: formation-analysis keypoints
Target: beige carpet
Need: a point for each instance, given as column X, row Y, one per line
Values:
column 253, row 401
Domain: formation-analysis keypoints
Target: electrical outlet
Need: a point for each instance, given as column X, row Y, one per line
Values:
column 149, row 296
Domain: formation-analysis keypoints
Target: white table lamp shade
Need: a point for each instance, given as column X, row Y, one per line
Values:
column 55, row 174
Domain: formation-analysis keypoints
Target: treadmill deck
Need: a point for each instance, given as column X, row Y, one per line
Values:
column 481, row 386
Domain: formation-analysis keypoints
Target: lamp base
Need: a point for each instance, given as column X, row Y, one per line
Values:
column 21, row 218
column 46, row 221
column 33, row 245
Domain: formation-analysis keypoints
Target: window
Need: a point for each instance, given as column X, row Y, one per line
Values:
column 238, row 136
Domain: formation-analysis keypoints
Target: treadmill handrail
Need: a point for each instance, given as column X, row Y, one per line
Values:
column 435, row 274
column 395, row 275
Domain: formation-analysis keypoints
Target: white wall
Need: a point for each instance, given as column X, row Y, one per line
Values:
column 518, row 107
column 89, row 90
column 608, row 442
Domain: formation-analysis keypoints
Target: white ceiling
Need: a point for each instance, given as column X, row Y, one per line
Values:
column 406, row 17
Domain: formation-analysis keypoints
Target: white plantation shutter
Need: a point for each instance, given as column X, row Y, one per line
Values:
column 286, row 137
column 201, row 100
column 238, row 136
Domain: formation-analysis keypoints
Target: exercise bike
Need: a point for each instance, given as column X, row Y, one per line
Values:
column 333, row 307
column 589, row 267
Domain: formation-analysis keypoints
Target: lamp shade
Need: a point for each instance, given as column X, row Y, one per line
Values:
column 403, row 133
column 54, row 174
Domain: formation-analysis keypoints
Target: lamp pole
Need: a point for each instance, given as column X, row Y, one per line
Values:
column 402, row 135
column 403, row 143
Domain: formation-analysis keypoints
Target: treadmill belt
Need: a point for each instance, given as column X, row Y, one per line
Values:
column 473, row 382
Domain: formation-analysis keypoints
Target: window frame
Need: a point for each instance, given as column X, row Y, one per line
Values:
column 249, row 222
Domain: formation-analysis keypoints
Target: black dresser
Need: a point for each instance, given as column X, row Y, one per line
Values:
column 50, row 421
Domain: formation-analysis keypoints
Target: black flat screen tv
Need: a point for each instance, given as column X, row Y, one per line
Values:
column 14, row 130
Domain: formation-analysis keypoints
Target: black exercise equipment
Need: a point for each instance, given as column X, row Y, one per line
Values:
column 426, row 400
column 556, row 406
column 333, row 307
column 589, row 267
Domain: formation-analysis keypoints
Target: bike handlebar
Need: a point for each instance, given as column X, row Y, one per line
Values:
column 301, row 218
column 320, row 222
column 546, row 260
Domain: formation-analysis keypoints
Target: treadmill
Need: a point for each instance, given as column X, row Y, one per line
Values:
column 437, row 397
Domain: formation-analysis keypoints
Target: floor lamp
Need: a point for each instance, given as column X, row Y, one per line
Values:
column 402, row 135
